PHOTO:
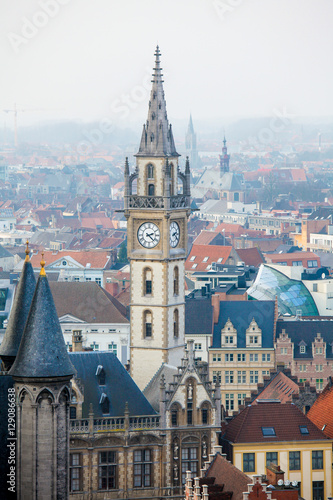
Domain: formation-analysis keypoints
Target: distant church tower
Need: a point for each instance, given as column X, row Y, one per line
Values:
column 224, row 159
column 191, row 145
column 157, row 212
column 42, row 372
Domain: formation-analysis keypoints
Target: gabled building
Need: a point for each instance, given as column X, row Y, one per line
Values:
column 281, row 434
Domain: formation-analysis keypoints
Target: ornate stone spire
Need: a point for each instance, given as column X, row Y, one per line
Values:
column 42, row 352
column 157, row 138
column 19, row 313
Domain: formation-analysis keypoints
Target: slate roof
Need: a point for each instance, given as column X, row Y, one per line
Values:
column 87, row 301
column 241, row 314
column 19, row 313
column 321, row 412
column 42, row 352
column 119, row 386
column 152, row 390
column 246, row 427
column 4, row 253
column 198, row 315
column 306, row 331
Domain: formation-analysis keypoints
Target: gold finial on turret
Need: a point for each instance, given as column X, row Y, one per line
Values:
column 27, row 252
column 42, row 263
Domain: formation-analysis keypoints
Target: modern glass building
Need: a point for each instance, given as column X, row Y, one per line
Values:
column 292, row 295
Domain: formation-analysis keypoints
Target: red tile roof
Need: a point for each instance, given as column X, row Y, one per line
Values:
column 230, row 228
column 204, row 238
column 251, row 256
column 246, row 427
column 321, row 412
column 280, row 387
column 200, row 252
column 227, row 474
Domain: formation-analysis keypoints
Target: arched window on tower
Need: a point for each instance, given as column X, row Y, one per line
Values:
column 150, row 171
column 176, row 323
column 176, row 281
column 147, row 324
column 151, row 190
column 147, row 281
column 172, row 177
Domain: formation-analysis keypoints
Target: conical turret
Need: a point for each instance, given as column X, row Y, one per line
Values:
column 42, row 352
column 157, row 138
column 19, row 314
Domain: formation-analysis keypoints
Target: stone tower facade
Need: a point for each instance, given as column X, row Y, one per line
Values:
column 42, row 372
column 224, row 159
column 157, row 205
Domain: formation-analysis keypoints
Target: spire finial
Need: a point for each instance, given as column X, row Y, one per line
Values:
column 42, row 263
column 126, row 166
column 27, row 252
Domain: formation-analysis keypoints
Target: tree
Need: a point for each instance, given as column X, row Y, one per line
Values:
column 122, row 254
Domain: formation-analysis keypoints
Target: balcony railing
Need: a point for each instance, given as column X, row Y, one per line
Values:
column 177, row 201
column 113, row 424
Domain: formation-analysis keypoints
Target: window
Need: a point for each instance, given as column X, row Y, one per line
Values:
column 268, row 431
column 113, row 348
column 98, row 281
column 266, row 357
column 204, row 415
column 241, row 377
column 271, row 458
column 294, row 460
column 318, row 490
column 253, row 357
column 319, row 384
column 319, row 368
column 302, row 380
column 197, row 347
column 194, row 266
column 312, row 263
column 94, row 346
column 249, row 462
column 75, row 472
column 76, row 278
column 297, row 262
column 229, row 377
column 219, row 260
column 216, row 357
column 176, row 281
column 205, row 259
column 317, row 460
column 229, row 401
column 147, row 273
column 241, row 399
column 151, row 190
column 147, row 324
column 72, row 412
column 241, row 358
column 284, row 350
column 229, row 339
column 303, row 429
column 192, row 258
column 302, row 349
column 216, row 377
column 319, row 350
column 176, row 324
column 302, row 368
column 253, row 377
column 189, row 462
column 150, row 171
column 107, row 468
column 142, row 468
column 228, row 357
column 88, row 279
column 253, row 339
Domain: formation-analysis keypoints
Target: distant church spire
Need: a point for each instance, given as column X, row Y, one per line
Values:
column 224, row 158
column 157, row 137
column 19, row 313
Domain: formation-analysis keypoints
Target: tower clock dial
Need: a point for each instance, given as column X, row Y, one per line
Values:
column 174, row 234
column 148, row 235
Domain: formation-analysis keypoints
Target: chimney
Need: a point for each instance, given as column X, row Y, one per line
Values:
column 216, row 307
column 77, row 341
column 274, row 473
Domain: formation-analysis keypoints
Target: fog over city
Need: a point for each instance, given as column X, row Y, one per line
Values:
column 222, row 59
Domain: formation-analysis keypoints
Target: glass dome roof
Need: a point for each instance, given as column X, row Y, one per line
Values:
column 292, row 295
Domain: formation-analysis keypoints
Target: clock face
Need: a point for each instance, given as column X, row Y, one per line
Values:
column 174, row 234
column 148, row 235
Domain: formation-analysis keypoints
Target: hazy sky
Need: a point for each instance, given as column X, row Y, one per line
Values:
column 91, row 59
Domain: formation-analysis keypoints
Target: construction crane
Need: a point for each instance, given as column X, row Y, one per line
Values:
column 15, row 111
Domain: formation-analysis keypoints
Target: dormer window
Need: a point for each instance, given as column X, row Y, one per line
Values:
column 100, row 374
column 205, row 259
column 192, row 258
column 302, row 349
column 253, row 335
column 105, row 403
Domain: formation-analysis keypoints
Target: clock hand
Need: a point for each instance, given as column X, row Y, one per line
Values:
column 150, row 235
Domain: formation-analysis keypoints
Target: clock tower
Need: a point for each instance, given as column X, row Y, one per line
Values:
column 157, row 206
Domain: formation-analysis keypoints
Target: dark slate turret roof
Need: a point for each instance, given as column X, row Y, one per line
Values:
column 42, row 352
column 119, row 387
column 19, row 313
column 157, row 137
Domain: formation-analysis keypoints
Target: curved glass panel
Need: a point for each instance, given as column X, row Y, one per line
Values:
column 292, row 295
